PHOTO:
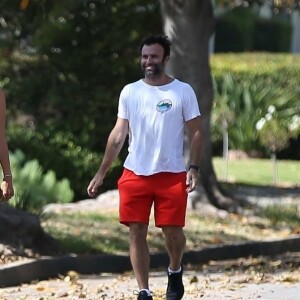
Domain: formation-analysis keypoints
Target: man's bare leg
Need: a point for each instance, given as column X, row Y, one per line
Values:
column 175, row 243
column 139, row 253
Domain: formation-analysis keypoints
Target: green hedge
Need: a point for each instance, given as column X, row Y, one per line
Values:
column 277, row 69
column 272, row 35
column 246, row 85
column 234, row 31
column 241, row 30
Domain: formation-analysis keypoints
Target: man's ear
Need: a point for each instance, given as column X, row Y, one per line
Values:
column 166, row 59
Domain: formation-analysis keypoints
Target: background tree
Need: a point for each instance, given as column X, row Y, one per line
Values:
column 190, row 25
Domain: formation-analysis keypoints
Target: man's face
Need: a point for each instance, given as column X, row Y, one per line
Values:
column 152, row 60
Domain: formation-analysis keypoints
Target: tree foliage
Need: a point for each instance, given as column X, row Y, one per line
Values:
column 63, row 66
column 69, row 60
column 275, row 5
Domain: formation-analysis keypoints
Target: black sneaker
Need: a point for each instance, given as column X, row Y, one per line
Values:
column 143, row 295
column 175, row 289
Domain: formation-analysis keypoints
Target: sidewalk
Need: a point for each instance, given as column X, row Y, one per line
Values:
column 249, row 270
column 207, row 274
column 198, row 285
column 14, row 274
column 264, row 277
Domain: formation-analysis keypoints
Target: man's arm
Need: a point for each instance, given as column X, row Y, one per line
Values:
column 195, row 149
column 114, row 145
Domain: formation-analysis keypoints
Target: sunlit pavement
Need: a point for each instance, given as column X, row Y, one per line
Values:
column 248, row 285
column 264, row 277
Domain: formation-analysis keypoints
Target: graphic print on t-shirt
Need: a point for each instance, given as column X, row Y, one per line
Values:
column 164, row 105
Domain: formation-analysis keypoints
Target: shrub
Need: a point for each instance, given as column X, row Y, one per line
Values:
column 234, row 31
column 62, row 153
column 272, row 35
column 240, row 30
column 246, row 85
column 33, row 187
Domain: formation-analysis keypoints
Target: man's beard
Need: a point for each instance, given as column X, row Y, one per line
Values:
column 155, row 72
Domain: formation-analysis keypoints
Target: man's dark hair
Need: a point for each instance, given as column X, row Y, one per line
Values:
column 157, row 39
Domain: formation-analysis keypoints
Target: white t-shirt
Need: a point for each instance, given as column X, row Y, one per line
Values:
column 156, row 116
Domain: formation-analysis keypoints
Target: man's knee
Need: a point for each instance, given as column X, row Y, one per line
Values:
column 138, row 231
column 173, row 234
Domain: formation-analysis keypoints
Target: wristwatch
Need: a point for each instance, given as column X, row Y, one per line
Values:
column 195, row 167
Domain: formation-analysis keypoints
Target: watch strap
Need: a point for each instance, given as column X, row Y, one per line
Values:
column 195, row 167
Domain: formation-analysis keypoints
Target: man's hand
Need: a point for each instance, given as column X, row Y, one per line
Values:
column 192, row 180
column 94, row 184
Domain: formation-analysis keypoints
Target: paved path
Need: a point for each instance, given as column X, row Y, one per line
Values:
column 199, row 285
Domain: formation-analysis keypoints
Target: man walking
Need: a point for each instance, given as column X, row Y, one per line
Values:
column 153, row 111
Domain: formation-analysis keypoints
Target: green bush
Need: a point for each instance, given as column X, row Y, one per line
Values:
column 33, row 187
column 279, row 71
column 61, row 152
column 272, row 35
column 234, row 31
column 246, row 85
column 241, row 30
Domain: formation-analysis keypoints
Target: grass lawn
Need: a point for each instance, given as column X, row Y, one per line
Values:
column 258, row 171
column 102, row 233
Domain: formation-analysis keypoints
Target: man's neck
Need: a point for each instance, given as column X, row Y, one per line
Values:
column 163, row 80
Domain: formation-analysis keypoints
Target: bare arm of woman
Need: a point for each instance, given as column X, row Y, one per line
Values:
column 7, row 189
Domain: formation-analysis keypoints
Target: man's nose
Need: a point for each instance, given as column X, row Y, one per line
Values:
column 149, row 60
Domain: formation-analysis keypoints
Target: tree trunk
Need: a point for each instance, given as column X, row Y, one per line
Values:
column 20, row 230
column 189, row 25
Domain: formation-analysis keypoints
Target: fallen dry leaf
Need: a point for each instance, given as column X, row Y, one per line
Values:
column 291, row 278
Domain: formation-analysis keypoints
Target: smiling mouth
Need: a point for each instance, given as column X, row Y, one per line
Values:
column 150, row 68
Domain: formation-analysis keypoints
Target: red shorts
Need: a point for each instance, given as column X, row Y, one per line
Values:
column 166, row 190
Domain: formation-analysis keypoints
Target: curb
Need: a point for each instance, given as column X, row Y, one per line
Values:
column 44, row 268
